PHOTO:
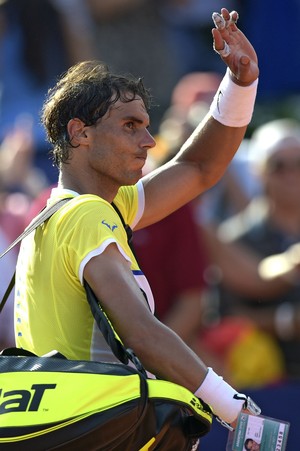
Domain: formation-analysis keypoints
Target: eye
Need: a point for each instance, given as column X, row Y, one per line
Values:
column 130, row 125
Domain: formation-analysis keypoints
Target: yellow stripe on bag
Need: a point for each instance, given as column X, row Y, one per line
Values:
column 43, row 431
column 168, row 391
column 45, row 397
column 148, row 444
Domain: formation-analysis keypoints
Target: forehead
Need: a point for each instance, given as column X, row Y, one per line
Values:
column 285, row 152
column 133, row 108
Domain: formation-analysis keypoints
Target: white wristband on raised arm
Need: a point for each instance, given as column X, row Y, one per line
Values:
column 220, row 396
column 233, row 105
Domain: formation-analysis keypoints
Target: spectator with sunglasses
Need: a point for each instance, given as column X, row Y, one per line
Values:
column 262, row 244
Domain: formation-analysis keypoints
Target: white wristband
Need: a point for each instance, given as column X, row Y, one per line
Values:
column 219, row 395
column 233, row 105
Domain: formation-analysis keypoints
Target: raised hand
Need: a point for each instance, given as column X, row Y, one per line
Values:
column 234, row 48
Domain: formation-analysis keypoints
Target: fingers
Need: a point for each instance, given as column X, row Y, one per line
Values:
column 234, row 48
column 223, row 21
column 225, row 51
column 219, row 21
column 234, row 16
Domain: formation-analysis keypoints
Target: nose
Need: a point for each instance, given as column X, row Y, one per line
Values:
column 148, row 140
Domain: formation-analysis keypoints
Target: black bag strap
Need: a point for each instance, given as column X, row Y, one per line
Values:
column 123, row 354
column 44, row 214
column 127, row 228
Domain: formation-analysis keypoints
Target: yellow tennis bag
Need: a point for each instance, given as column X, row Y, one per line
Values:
column 49, row 403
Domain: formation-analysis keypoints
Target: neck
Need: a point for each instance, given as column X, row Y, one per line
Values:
column 86, row 185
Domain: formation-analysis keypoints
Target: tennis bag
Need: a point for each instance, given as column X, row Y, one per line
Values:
column 51, row 403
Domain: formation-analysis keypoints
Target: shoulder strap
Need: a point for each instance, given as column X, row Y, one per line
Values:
column 44, row 214
column 127, row 228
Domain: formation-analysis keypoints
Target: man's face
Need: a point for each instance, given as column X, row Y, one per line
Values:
column 252, row 446
column 119, row 143
column 282, row 176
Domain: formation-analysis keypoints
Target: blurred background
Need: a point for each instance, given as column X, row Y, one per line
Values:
column 231, row 288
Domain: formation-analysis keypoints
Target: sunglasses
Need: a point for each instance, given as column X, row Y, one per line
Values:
column 281, row 166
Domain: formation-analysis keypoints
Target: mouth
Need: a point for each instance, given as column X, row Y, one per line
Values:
column 142, row 158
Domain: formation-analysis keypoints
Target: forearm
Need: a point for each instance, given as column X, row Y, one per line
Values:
column 175, row 362
column 211, row 148
column 223, row 129
column 160, row 350
column 165, row 354
column 204, row 157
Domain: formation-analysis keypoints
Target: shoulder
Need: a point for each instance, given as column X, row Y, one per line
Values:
column 130, row 201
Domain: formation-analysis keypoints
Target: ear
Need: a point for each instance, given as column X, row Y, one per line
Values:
column 76, row 130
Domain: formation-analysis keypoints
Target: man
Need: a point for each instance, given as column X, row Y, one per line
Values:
column 251, row 445
column 98, row 124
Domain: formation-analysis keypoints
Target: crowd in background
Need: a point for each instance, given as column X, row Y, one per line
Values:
column 207, row 263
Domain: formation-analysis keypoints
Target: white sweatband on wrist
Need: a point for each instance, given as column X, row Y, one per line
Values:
column 219, row 395
column 233, row 105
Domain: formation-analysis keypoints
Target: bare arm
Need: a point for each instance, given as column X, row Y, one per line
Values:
column 160, row 350
column 111, row 279
column 204, row 157
column 240, row 268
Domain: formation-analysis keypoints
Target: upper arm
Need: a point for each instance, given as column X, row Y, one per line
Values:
column 168, row 188
column 113, row 283
column 110, row 277
column 199, row 164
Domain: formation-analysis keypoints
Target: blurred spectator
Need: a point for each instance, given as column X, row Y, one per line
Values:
column 38, row 41
column 252, row 286
column 189, row 103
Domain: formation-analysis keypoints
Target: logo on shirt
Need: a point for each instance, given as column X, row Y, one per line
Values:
column 111, row 227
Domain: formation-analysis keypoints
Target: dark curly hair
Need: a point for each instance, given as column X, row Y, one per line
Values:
column 86, row 91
